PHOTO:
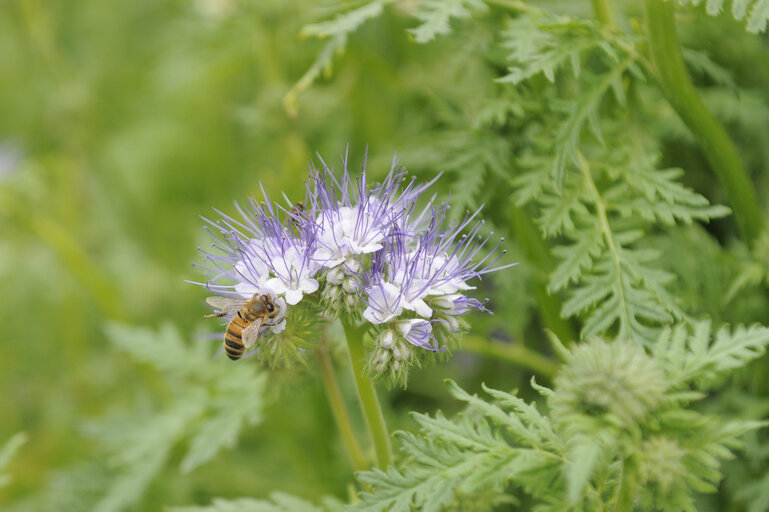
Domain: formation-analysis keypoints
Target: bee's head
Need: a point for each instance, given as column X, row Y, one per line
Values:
column 267, row 301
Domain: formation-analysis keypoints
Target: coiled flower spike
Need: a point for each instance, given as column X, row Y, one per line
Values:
column 379, row 256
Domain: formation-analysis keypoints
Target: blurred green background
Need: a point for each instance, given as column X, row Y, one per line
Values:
column 120, row 124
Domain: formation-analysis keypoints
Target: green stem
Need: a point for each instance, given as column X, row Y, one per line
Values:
column 608, row 236
column 605, row 12
column 538, row 255
column 369, row 402
column 515, row 353
column 338, row 409
column 514, row 5
column 711, row 136
column 625, row 496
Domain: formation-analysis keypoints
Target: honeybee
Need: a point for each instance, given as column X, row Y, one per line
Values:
column 248, row 317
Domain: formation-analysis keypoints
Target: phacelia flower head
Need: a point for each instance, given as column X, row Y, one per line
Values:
column 379, row 255
column 264, row 251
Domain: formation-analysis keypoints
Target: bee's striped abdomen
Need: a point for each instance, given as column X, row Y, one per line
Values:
column 233, row 338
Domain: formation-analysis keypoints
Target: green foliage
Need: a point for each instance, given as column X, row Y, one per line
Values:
column 278, row 502
column 435, row 16
column 210, row 405
column 754, row 270
column 337, row 31
column 7, row 452
column 541, row 43
column 111, row 145
column 466, row 456
column 695, row 357
column 472, row 166
column 347, row 22
column 618, row 417
column 615, row 283
column 755, row 12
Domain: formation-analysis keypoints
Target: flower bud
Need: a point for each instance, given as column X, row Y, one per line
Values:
column 386, row 340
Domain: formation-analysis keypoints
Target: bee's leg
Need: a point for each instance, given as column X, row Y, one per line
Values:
column 215, row 315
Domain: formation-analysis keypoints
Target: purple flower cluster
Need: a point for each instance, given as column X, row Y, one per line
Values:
column 369, row 252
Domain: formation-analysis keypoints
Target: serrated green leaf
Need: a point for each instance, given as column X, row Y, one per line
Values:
column 694, row 357
column 221, row 430
column 436, row 15
column 759, row 11
column 347, row 22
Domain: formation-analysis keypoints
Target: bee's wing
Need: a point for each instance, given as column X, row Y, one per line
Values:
column 225, row 304
column 251, row 332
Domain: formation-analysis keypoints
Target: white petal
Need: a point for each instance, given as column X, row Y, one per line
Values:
column 329, row 258
column 293, row 296
column 371, row 315
column 405, row 326
column 421, row 308
column 446, row 301
column 277, row 285
column 277, row 329
column 376, row 318
column 246, row 290
column 308, row 285
column 363, row 249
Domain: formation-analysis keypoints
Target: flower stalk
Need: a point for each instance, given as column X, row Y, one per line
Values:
column 626, row 492
column 538, row 254
column 338, row 409
column 372, row 411
column 605, row 12
column 711, row 136
column 515, row 353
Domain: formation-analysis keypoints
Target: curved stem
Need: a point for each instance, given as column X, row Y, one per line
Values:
column 369, row 402
column 514, row 353
column 538, row 255
column 338, row 409
column 605, row 12
column 711, row 136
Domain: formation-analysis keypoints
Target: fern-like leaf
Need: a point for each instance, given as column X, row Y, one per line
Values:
column 337, row 32
column 695, row 357
column 470, row 155
column 541, row 43
column 601, row 213
column 755, row 12
column 233, row 409
column 435, row 16
column 347, row 22
column 140, row 451
column 209, row 407
column 614, row 416
column 465, row 456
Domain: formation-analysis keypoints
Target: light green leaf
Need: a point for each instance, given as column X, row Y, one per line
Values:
column 435, row 16
column 7, row 452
